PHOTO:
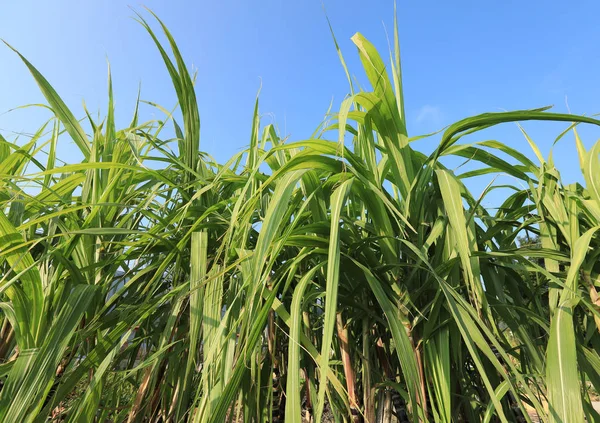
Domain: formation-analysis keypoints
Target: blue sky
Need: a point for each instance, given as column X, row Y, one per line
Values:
column 459, row 58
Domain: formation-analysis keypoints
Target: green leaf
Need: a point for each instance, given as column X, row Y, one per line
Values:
column 59, row 107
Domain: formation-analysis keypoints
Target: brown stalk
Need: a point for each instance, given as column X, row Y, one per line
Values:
column 6, row 336
column 342, row 331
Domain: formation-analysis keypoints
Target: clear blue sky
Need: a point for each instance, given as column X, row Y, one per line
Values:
column 459, row 58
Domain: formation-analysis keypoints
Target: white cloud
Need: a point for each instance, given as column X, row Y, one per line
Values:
column 429, row 114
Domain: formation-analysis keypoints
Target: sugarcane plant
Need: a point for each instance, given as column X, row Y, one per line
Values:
column 345, row 277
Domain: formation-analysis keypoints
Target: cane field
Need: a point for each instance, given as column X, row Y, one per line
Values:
column 347, row 277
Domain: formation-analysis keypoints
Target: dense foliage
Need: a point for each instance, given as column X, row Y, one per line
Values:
column 346, row 277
